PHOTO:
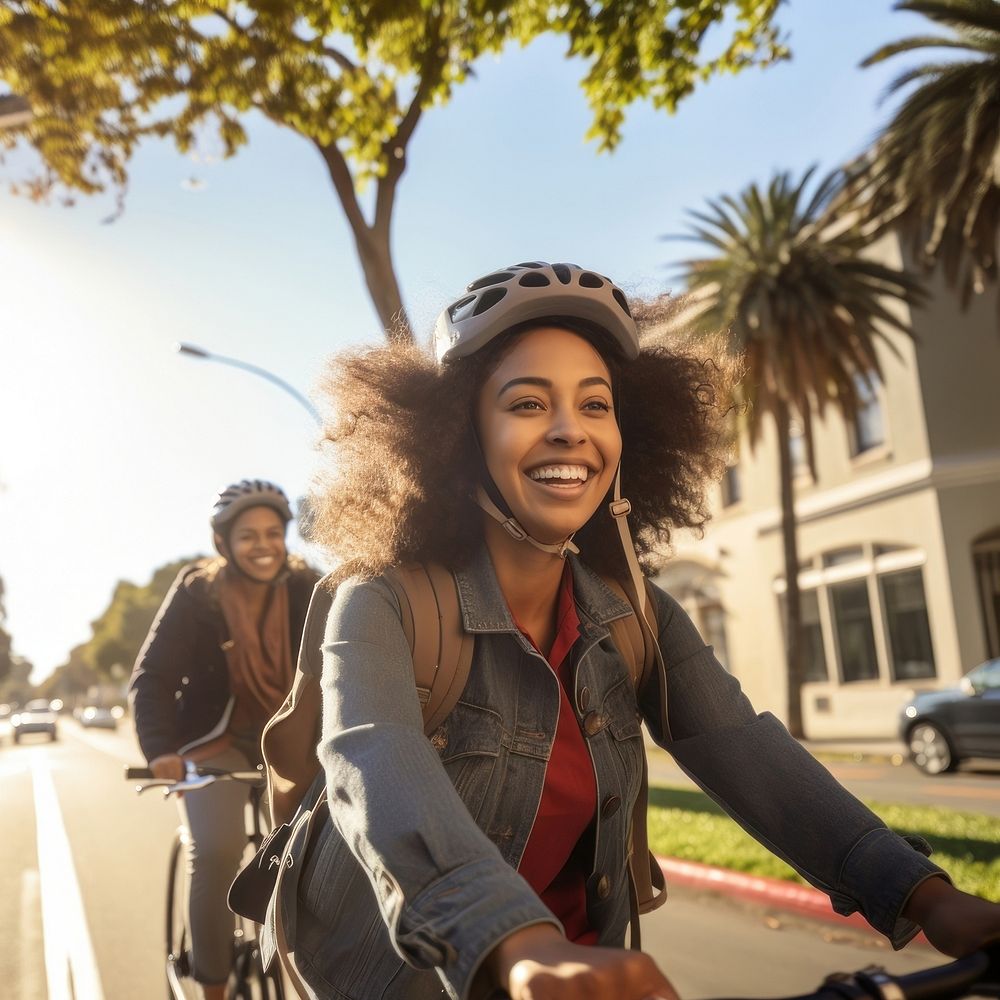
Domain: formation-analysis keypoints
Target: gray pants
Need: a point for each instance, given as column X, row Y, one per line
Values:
column 215, row 818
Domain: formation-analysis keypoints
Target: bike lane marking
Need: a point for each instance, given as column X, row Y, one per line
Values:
column 70, row 965
column 32, row 981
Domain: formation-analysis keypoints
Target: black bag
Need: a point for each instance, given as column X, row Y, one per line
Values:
column 253, row 887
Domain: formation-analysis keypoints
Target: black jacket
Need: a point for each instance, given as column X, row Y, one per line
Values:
column 180, row 685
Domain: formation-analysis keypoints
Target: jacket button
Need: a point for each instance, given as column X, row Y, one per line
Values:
column 584, row 699
column 439, row 739
column 610, row 806
column 593, row 723
column 603, row 887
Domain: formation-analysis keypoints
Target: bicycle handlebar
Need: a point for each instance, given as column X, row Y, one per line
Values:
column 977, row 974
column 195, row 776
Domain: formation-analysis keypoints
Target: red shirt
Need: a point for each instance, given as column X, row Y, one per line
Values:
column 557, row 857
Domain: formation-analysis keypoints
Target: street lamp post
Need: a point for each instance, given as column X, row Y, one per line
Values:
column 193, row 351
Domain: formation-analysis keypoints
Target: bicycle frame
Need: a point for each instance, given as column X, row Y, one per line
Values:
column 247, row 978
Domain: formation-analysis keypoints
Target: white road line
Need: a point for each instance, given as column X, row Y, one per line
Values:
column 32, row 982
column 70, row 965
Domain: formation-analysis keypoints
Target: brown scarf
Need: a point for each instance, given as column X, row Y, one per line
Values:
column 259, row 655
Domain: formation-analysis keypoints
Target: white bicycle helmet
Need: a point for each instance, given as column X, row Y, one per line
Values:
column 533, row 291
column 238, row 497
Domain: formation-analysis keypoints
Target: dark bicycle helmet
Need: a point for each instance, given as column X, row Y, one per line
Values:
column 238, row 497
column 533, row 291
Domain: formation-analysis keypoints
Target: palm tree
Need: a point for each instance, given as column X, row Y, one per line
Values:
column 935, row 167
column 804, row 308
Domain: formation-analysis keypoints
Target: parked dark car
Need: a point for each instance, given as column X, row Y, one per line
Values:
column 36, row 717
column 941, row 728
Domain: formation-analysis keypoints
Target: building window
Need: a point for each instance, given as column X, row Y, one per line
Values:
column 868, row 431
column 813, row 652
column 906, row 621
column 864, row 615
column 812, row 637
column 799, row 452
column 713, row 629
column 732, row 488
column 852, row 620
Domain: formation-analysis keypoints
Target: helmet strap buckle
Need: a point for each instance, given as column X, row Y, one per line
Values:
column 514, row 529
column 620, row 507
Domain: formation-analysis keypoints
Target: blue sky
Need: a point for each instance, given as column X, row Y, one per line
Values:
column 112, row 446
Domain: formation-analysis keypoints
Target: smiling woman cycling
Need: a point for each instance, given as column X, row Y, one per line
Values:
column 495, row 854
column 216, row 664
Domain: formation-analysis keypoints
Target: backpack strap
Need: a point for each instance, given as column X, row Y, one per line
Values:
column 647, row 888
column 442, row 649
column 630, row 638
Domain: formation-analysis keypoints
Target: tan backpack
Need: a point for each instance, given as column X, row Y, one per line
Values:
column 442, row 655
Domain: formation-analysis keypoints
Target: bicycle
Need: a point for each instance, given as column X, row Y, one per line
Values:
column 247, row 978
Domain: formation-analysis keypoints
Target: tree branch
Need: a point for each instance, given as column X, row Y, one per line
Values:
column 395, row 148
column 343, row 184
column 338, row 57
column 327, row 50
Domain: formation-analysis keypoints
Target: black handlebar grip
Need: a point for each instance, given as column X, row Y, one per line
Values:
column 138, row 774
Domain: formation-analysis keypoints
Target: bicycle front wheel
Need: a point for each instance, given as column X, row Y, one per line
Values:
column 180, row 986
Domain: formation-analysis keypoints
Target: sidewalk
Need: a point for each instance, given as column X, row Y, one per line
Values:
column 891, row 750
column 769, row 893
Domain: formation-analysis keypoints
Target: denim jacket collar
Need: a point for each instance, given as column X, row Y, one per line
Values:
column 484, row 608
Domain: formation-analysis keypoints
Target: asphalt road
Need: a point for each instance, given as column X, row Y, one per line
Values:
column 973, row 788
column 83, row 893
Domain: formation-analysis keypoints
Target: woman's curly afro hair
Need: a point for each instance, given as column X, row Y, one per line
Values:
column 400, row 459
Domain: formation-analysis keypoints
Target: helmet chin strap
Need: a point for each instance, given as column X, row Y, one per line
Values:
column 510, row 525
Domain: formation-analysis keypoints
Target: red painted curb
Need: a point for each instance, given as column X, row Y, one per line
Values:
column 775, row 892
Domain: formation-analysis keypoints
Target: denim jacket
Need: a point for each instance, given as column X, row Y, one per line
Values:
column 414, row 881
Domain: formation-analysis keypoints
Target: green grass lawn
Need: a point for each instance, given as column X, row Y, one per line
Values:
column 686, row 823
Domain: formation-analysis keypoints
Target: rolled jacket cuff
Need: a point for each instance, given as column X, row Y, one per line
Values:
column 458, row 920
column 896, row 866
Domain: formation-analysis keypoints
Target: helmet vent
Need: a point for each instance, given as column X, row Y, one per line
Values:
column 531, row 263
column 488, row 300
column 590, row 280
column 490, row 279
column 456, row 308
column 562, row 273
column 621, row 300
column 534, row 280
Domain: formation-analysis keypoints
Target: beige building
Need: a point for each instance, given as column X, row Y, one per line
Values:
column 899, row 537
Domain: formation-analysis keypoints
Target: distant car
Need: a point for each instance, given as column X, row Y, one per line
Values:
column 36, row 717
column 96, row 717
column 941, row 728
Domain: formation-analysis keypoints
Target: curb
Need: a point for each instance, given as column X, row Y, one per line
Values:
column 765, row 891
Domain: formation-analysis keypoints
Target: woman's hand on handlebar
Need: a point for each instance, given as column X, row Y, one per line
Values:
column 538, row 963
column 168, row 767
column 955, row 922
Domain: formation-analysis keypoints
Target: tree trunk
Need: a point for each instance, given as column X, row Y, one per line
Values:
column 372, row 240
column 375, row 254
column 793, row 602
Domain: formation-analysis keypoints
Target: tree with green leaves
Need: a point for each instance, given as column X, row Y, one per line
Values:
column 804, row 307
column 354, row 80
column 72, row 679
column 934, row 170
column 120, row 630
